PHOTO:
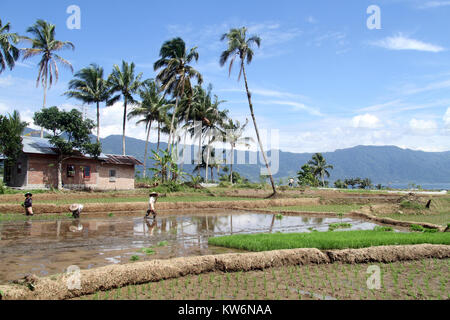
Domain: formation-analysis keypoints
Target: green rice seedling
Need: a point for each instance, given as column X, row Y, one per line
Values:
column 383, row 228
column 148, row 251
column 110, row 214
column 162, row 244
column 106, row 297
column 417, row 228
column 426, row 230
column 129, row 291
column 134, row 258
column 279, row 216
column 343, row 225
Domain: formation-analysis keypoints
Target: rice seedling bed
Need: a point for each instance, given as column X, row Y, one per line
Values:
column 413, row 280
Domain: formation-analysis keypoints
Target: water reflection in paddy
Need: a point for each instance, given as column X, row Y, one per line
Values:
column 44, row 247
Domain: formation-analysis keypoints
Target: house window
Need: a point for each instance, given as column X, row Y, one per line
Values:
column 86, row 172
column 19, row 168
column 112, row 175
column 70, row 171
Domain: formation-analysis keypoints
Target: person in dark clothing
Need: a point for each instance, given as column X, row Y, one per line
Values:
column 28, row 204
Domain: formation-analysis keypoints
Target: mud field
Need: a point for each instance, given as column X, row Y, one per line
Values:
column 49, row 247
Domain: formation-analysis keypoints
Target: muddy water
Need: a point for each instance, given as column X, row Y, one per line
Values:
column 43, row 247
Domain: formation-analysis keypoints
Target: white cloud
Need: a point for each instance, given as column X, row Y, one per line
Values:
column 434, row 4
column 400, row 42
column 423, row 127
column 297, row 106
column 447, row 119
column 311, row 19
column 366, row 121
column 6, row 81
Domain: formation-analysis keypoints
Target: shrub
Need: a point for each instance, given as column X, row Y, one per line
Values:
column 411, row 205
column 415, row 227
column 224, row 184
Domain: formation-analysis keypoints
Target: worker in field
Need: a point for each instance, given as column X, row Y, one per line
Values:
column 28, row 204
column 151, row 205
column 76, row 210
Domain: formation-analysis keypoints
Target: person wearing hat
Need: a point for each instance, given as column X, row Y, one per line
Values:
column 76, row 210
column 151, row 205
column 28, row 204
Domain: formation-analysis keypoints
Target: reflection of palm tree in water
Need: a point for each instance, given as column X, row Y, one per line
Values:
column 151, row 227
column 272, row 223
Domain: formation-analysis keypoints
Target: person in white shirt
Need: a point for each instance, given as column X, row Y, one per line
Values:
column 151, row 205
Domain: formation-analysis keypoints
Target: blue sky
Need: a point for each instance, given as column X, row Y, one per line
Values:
column 321, row 77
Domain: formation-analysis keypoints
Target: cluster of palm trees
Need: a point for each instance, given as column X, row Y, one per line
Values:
column 316, row 168
column 174, row 99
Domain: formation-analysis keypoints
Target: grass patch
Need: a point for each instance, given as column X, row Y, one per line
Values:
column 411, row 205
column 162, row 244
column 134, row 258
column 335, row 208
column 147, row 251
column 6, row 217
column 326, row 240
column 184, row 198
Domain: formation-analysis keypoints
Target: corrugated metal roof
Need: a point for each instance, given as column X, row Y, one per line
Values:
column 116, row 159
column 43, row 146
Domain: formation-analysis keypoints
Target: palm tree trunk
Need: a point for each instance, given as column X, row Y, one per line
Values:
column 323, row 180
column 98, row 122
column 146, row 149
column 207, row 161
column 59, row 187
column 124, row 124
column 231, row 165
column 200, row 154
column 159, row 136
column 43, row 105
column 256, row 127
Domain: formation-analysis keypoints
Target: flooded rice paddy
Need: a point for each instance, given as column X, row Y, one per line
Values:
column 50, row 247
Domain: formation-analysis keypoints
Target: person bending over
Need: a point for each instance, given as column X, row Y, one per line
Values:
column 76, row 210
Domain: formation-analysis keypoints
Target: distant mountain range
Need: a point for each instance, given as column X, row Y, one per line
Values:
column 388, row 165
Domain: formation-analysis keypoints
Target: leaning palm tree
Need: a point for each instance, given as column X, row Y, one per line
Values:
column 126, row 83
column 320, row 166
column 175, row 73
column 8, row 52
column 89, row 86
column 45, row 44
column 233, row 134
column 241, row 47
column 149, row 110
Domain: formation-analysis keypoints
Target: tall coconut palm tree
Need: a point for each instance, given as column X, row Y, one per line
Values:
column 320, row 166
column 8, row 52
column 126, row 83
column 234, row 136
column 175, row 72
column 45, row 44
column 89, row 86
column 149, row 110
column 239, row 46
